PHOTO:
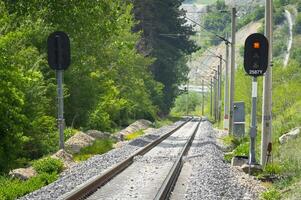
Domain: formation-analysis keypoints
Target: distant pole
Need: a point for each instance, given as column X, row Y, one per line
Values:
column 211, row 104
column 226, row 90
column 266, row 141
column 232, row 71
column 187, row 99
column 60, row 100
column 253, row 129
column 203, row 98
column 220, row 88
column 215, row 95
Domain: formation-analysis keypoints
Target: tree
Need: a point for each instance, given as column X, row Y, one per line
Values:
column 166, row 38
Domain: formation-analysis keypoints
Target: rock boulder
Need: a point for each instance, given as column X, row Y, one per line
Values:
column 65, row 157
column 134, row 127
column 98, row 134
column 23, row 173
column 78, row 141
column 293, row 134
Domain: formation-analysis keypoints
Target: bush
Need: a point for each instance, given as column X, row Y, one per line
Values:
column 134, row 135
column 13, row 188
column 48, row 165
column 98, row 147
column 272, row 194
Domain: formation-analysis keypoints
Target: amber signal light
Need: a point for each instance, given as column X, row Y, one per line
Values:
column 256, row 45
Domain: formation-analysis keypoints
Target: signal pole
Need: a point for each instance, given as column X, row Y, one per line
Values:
column 232, row 71
column 266, row 136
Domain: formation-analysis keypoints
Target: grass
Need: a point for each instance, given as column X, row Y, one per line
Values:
column 48, row 170
column 98, row 147
column 166, row 121
column 13, row 188
column 134, row 135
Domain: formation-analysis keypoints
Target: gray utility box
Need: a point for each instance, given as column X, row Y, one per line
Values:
column 239, row 119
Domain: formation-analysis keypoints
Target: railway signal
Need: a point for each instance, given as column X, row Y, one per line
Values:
column 255, row 64
column 59, row 60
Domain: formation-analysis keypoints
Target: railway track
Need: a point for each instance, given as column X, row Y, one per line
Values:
column 150, row 173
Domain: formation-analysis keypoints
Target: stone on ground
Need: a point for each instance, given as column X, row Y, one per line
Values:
column 293, row 134
column 98, row 134
column 140, row 124
column 78, row 141
column 65, row 157
column 238, row 161
column 23, row 173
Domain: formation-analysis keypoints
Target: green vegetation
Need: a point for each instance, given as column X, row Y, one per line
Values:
column 48, row 165
column 205, row 2
column 98, row 147
column 48, row 170
column 118, row 73
column 170, row 119
column 134, row 135
column 11, row 189
column 187, row 103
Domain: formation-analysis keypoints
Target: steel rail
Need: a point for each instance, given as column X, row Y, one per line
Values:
column 171, row 179
column 90, row 186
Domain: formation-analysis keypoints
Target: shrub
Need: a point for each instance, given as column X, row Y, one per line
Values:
column 271, row 194
column 13, row 188
column 48, row 165
column 134, row 135
column 98, row 147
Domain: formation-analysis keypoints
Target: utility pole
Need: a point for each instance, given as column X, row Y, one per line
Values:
column 211, row 104
column 203, row 97
column 187, row 92
column 266, row 144
column 226, row 89
column 220, row 88
column 232, row 71
column 215, row 95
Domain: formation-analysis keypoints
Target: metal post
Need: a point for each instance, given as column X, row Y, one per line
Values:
column 203, row 98
column 232, row 72
column 220, row 88
column 60, row 100
column 253, row 128
column 211, row 104
column 267, row 91
column 226, row 90
column 187, row 100
column 215, row 95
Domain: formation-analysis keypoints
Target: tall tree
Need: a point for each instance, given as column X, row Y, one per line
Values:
column 166, row 38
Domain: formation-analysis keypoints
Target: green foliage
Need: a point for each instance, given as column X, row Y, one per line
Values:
column 134, row 135
column 217, row 21
column 11, row 189
column 108, row 83
column 186, row 102
column 48, row 165
column 168, row 120
column 255, row 14
column 169, row 67
column 271, row 194
column 98, row 147
column 297, row 27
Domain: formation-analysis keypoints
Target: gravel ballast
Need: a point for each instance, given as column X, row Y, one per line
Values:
column 211, row 177
column 94, row 166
